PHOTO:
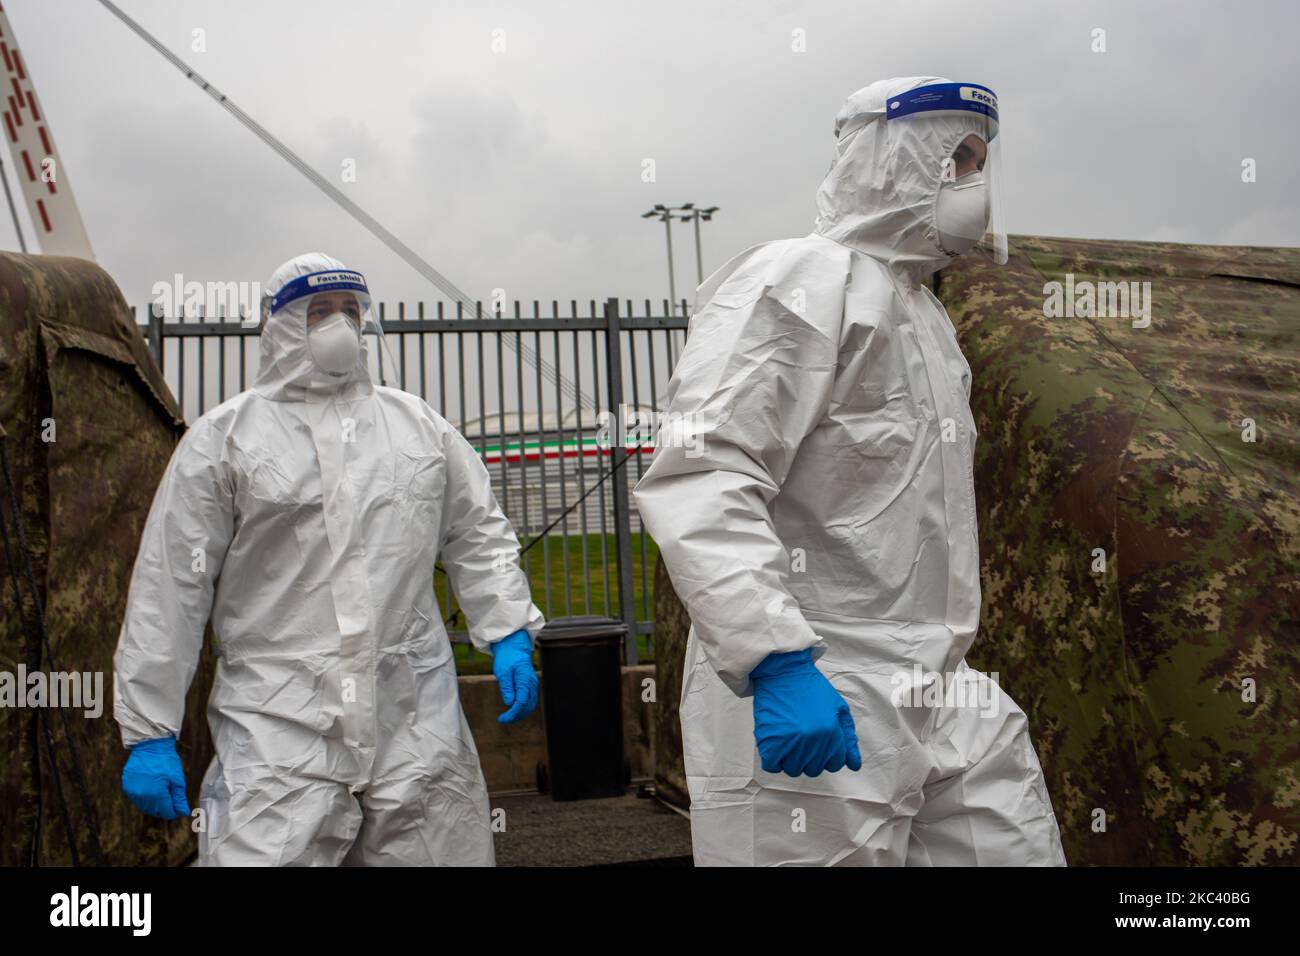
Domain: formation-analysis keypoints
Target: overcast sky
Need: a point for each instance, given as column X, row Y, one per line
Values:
column 522, row 169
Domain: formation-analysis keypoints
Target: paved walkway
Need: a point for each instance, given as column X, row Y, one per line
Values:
column 628, row 830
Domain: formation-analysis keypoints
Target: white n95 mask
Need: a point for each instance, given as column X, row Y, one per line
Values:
column 962, row 213
column 335, row 343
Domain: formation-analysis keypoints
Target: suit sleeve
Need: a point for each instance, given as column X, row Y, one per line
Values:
column 480, row 552
column 182, row 550
column 753, row 381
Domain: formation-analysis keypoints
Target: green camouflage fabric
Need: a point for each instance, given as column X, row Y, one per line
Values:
column 672, row 627
column 1161, row 673
column 72, row 359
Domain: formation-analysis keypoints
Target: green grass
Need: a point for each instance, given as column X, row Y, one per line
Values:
column 567, row 565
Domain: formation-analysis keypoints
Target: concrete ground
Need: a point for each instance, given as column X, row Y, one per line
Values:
column 621, row 831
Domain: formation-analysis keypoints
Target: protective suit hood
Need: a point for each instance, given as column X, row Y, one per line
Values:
column 880, row 194
column 287, row 371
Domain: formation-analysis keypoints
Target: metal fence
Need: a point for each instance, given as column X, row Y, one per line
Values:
column 560, row 407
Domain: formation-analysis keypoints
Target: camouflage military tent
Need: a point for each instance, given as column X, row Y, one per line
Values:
column 1139, row 524
column 1140, row 537
column 671, row 628
column 89, row 426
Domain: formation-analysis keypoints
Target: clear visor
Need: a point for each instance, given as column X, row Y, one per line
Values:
column 975, row 165
column 379, row 360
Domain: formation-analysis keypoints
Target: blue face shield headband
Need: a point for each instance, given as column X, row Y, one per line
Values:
column 314, row 283
column 948, row 97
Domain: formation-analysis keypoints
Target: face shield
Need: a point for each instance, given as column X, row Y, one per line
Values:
column 342, row 330
column 968, row 202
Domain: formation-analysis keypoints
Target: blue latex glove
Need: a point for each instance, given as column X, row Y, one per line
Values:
column 154, row 780
column 512, row 663
column 801, row 723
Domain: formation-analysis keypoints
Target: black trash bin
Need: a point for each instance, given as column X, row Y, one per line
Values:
column 582, row 704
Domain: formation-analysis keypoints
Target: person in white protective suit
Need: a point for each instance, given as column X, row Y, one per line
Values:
column 812, row 495
column 305, row 516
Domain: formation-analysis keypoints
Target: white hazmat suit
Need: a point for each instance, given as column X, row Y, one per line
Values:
column 816, row 491
column 305, row 516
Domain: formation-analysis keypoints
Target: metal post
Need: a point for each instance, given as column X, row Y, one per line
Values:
column 155, row 333
column 699, row 256
column 622, row 504
column 672, row 280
